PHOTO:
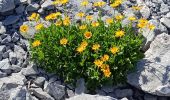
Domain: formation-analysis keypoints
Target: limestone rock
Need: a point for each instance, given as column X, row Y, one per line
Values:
column 11, row 20
column 2, row 29
column 55, row 90
column 6, row 5
column 152, row 74
column 91, row 97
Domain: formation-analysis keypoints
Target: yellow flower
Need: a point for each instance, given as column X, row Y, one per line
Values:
column 151, row 26
column 36, row 43
column 84, row 3
column 105, row 58
column 52, row 16
column 84, row 44
column 60, row 2
column 132, row 18
column 95, row 24
column 116, row 3
column 106, row 70
column 80, row 14
column 64, row 1
column 96, row 47
column 39, row 26
column 142, row 23
column 107, row 73
column 87, row 35
column 109, row 20
column 98, row 62
column 114, row 50
column 63, row 41
column 82, row 27
column 89, row 17
column 58, row 23
column 119, row 17
column 136, row 7
column 80, row 49
column 56, row 2
column 119, row 34
column 24, row 28
column 34, row 16
column 99, row 4
column 66, row 21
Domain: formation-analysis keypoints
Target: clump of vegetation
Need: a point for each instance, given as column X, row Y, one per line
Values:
column 100, row 51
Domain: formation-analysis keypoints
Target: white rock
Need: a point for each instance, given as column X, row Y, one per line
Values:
column 48, row 4
column 16, row 78
column 5, row 66
column 152, row 75
column 2, row 29
column 32, row 7
column 6, row 5
column 145, row 11
column 91, row 97
column 38, row 92
column 166, row 22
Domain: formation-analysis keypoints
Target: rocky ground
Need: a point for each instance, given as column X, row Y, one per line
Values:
column 20, row 79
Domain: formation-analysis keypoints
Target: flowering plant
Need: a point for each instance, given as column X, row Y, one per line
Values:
column 100, row 51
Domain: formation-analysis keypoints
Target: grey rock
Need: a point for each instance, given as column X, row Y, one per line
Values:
column 16, row 68
column 31, row 70
column 123, row 93
column 80, row 87
column 55, row 90
column 41, row 11
column 2, row 29
column 145, row 11
column 11, row 20
column 5, row 55
column 108, row 89
column 162, row 98
column 152, row 75
column 151, row 34
column 12, row 81
column 91, row 97
column 21, row 55
column 6, row 5
column 2, row 74
column 48, row 4
column 17, row 2
column 168, row 15
column 70, row 93
column 15, row 37
column 5, row 66
column 4, row 95
column 12, row 57
column 33, row 7
column 2, row 48
column 20, row 9
column 18, row 93
column 40, row 81
column 149, row 97
column 164, row 8
column 124, row 98
column 101, row 92
column 38, row 92
column 1, row 56
column 6, row 39
column 166, row 22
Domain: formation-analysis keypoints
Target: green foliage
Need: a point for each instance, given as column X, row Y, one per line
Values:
column 70, row 65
